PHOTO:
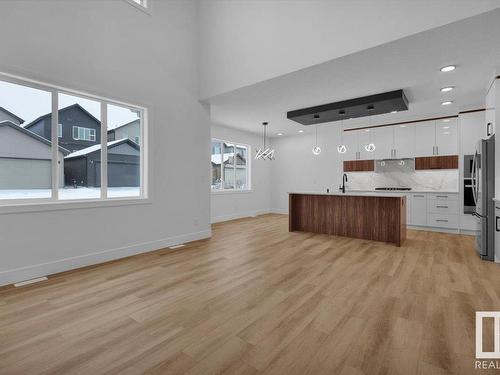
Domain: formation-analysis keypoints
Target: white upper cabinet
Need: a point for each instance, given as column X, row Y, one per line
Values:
column 472, row 129
column 404, row 141
column 365, row 137
column 446, row 137
column 425, row 138
column 383, row 139
column 351, row 143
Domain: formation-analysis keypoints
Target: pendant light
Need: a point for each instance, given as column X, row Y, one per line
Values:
column 264, row 152
column 316, row 149
column 370, row 147
column 341, row 148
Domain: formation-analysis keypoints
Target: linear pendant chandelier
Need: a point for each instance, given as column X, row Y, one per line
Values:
column 264, row 152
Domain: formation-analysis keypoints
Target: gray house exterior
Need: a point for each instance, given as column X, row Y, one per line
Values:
column 70, row 119
column 83, row 167
column 6, row 115
column 25, row 159
column 130, row 130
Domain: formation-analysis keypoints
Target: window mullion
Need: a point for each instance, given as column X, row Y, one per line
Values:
column 104, row 150
column 55, row 145
column 222, row 167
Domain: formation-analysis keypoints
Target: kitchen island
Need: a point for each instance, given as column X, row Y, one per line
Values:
column 370, row 216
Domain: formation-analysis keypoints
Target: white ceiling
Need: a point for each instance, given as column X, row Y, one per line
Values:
column 411, row 63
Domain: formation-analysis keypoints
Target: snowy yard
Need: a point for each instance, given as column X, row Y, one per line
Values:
column 70, row 193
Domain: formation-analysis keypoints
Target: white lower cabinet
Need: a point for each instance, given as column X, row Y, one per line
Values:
column 418, row 209
column 442, row 221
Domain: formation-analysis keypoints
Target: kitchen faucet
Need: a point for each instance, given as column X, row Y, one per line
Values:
column 344, row 180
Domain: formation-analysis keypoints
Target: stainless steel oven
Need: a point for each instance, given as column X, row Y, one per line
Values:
column 469, row 203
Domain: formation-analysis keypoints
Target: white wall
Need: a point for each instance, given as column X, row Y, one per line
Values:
column 233, row 205
column 248, row 41
column 296, row 168
column 112, row 49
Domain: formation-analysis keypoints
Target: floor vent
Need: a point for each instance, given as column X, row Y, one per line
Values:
column 176, row 246
column 32, row 281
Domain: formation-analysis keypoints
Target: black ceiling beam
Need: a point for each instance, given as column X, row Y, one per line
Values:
column 359, row 107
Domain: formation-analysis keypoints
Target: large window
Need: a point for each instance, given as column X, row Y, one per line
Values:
column 230, row 166
column 55, row 145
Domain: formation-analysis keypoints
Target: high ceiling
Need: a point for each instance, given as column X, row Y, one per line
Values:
column 412, row 63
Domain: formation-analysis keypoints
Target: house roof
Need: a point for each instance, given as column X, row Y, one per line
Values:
column 91, row 149
column 31, row 134
column 11, row 114
column 227, row 158
column 121, row 126
column 76, row 105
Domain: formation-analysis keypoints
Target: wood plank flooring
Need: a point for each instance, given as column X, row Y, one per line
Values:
column 256, row 299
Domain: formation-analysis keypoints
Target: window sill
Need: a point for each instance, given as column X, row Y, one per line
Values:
column 13, row 208
column 222, row 192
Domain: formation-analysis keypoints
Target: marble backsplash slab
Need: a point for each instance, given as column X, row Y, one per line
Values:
column 438, row 180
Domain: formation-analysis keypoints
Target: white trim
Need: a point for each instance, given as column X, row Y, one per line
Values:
column 219, row 219
column 145, row 8
column 55, row 145
column 231, row 191
column 43, row 269
column 32, row 281
column 44, row 205
column 104, row 150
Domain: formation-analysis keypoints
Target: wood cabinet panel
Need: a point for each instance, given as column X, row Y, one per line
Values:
column 437, row 162
column 359, row 165
column 372, row 218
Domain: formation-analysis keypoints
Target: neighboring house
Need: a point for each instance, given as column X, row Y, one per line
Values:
column 6, row 115
column 83, row 167
column 78, row 128
column 130, row 130
column 229, row 171
column 25, row 159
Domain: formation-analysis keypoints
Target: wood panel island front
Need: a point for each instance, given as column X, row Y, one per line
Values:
column 361, row 215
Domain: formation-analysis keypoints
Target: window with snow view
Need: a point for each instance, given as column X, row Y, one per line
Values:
column 96, row 151
column 230, row 167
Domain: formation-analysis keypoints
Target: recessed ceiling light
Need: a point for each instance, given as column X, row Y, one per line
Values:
column 446, row 120
column 402, row 126
column 394, row 111
column 446, row 127
column 446, row 132
column 448, row 68
column 446, row 89
column 279, row 134
column 367, row 130
column 447, row 102
column 301, row 131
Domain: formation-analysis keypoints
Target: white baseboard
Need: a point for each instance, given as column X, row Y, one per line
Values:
column 240, row 215
column 44, row 269
column 281, row 211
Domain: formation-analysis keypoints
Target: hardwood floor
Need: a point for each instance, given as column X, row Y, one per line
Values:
column 258, row 299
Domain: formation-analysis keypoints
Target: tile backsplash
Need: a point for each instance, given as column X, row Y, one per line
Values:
column 438, row 180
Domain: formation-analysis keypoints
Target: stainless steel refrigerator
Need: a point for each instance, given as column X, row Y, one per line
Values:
column 483, row 188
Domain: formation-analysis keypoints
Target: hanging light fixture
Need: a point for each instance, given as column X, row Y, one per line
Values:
column 264, row 152
column 316, row 149
column 370, row 147
column 341, row 148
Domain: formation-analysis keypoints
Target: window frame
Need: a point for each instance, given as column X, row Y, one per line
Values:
column 54, row 203
column 144, row 5
column 247, row 167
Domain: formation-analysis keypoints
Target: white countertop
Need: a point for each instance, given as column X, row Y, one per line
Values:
column 407, row 191
column 351, row 193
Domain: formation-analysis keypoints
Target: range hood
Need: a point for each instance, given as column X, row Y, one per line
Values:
column 395, row 165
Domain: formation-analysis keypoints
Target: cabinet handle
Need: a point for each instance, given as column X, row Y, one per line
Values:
column 442, row 220
column 496, row 223
column 419, row 195
column 441, row 196
column 437, row 150
column 441, row 206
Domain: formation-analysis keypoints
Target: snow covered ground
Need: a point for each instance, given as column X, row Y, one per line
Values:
column 70, row 193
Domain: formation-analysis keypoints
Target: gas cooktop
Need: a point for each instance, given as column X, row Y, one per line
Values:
column 393, row 188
